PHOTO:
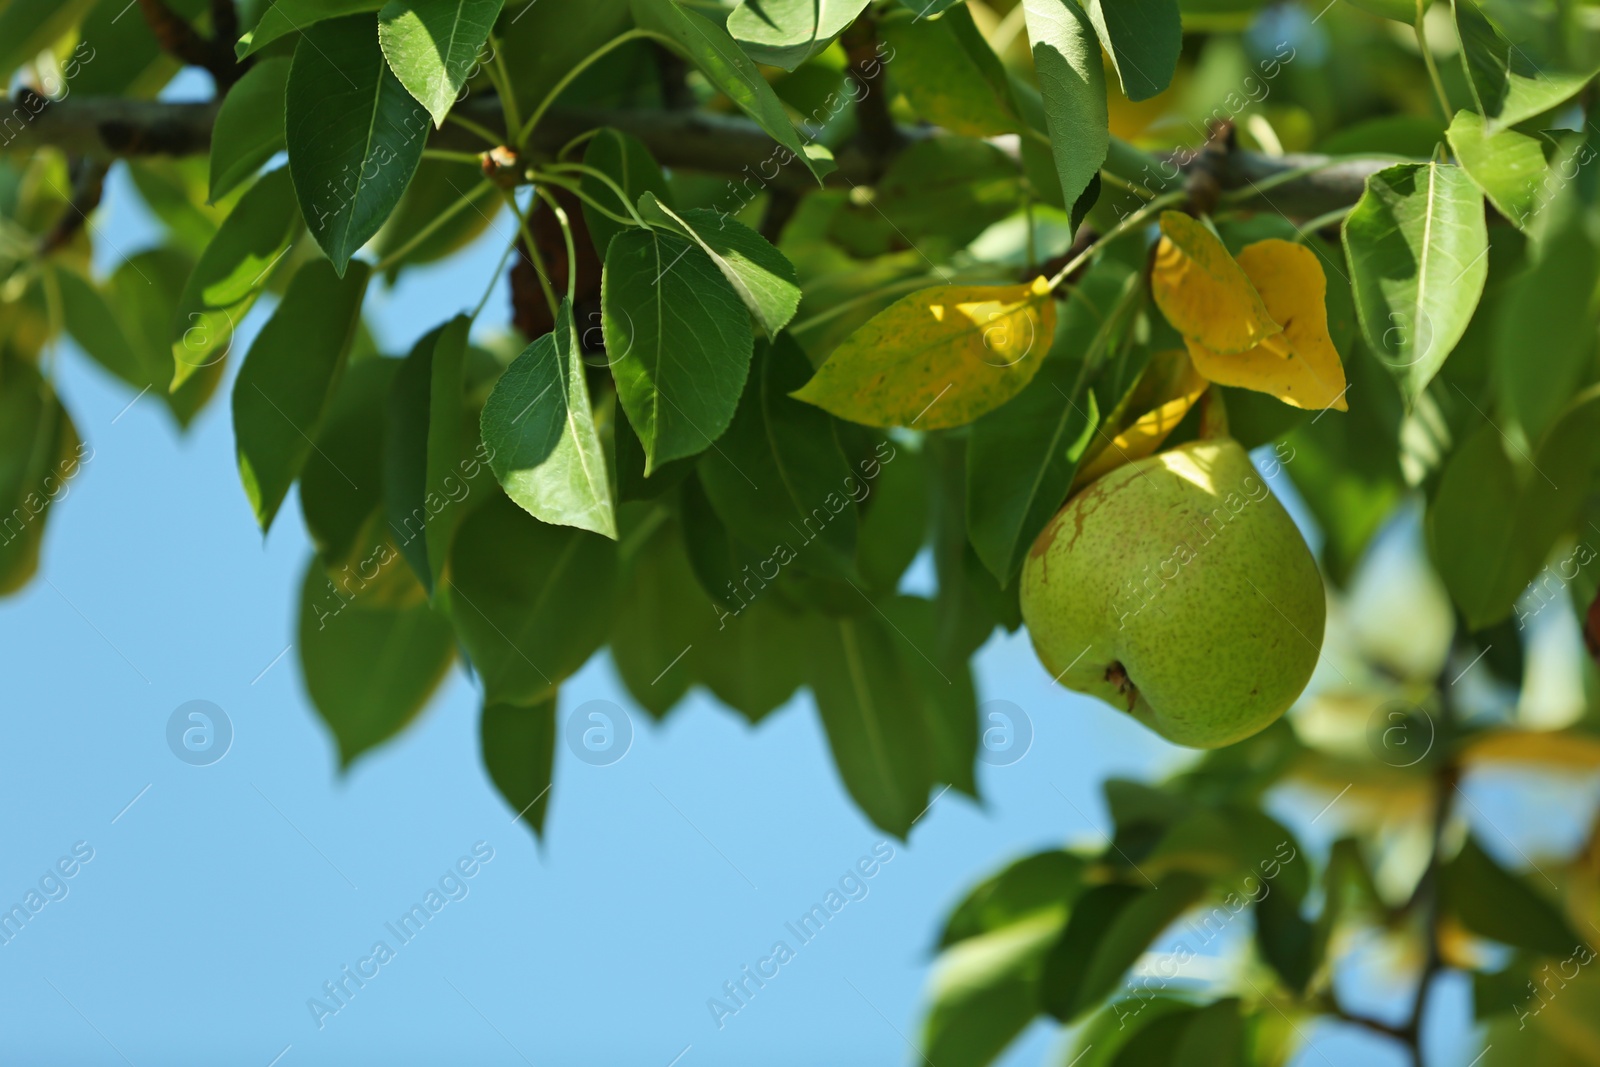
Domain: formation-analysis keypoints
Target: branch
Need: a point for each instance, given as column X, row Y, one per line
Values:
column 113, row 127
column 183, row 42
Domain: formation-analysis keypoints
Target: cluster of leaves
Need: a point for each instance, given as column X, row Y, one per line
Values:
column 738, row 411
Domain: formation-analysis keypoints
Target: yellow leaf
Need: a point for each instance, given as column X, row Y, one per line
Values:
column 938, row 358
column 1181, row 386
column 1203, row 292
column 1291, row 283
column 1554, row 748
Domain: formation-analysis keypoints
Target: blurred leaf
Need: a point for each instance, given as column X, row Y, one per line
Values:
column 758, row 272
column 727, row 68
column 370, row 665
column 1111, row 926
column 777, row 475
column 232, row 272
column 355, row 136
column 1566, row 749
column 1021, row 459
column 1066, row 56
column 1142, row 38
column 341, row 484
column 1417, row 247
column 287, row 382
column 938, row 358
column 1399, row 10
column 948, row 72
column 26, row 29
column 434, row 193
column 539, row 426
column 39, row 455
column 678, row 339
column 531, row 602
column 661, row 615
column 786, row 33
column 879, row 742
column 432, row 46
column 946, row 190
column 1493, row 903
column 627, row 162
column 945, row 691
column 549, row 40
column 631, row 482
column 1042, row 882
column 249, row 126
column 519, row 750
column 894, row 521
column 755, row 658
column 984, row 993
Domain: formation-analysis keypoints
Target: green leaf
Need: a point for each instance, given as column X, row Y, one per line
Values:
column 26, row 29
column 893, row 525
column 531, row 602
column 761, row 275
column 777, row 477
column 943, row 688
column 429, row 474
column 355, row 136
column 287, row 383
column 341, row 485
column 519, row 752
column 939, row 193
column 879, row 743
column 1418, row 252
column 631, row 482
column 1042, row 882
column 284, row 17
column 662, row 614
column 1550, row 310
column 786, row 33
column 1399, row 10
column 938, row 358
column 232, row 272
column 754, row 659
column 539, row 425
column 1508, row 166
column 1143, row 39
column 1286, row 940
column 1111, row 926
column 949, row 74
column 1021, row 459
column 546, row 41
column 1490, row 526
column 625, row 159
column 40, row 453
column 118, row 56
column 1507, row 85
column 249, row 126
column 370, row 663
column 679, row 342
column 1066, row 56
column 732, row 72
column 432, row 46
column 984, row 993
column 1494, row 903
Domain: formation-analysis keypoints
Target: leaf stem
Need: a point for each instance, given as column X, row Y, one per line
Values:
column 1417, row 27
column 451, row 157
column 1128, row 223
column 604, row 178
column 533, row 254
column 576, row 190
column 523, row 131
column 494, row 279
column 427, row 231
column 472, row 127
column 500, row 78
column 566, row 234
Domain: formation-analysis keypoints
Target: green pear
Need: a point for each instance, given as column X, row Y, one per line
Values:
column 1176, row 588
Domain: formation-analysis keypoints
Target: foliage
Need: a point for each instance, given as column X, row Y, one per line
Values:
column 877, row 281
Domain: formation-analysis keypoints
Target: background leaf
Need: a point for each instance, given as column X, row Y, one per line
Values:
column 249, row 129
column 1142, row 39
column 519, row 750
column 1066, row 56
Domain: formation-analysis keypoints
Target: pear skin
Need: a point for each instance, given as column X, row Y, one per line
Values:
column 1176, row 588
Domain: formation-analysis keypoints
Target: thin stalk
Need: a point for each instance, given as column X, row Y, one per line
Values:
column 439, row 220
column 1265, row 185
column 472, row 127
column 1321, row 221
column 452, row 157
column 1427, row 61
column 523, row 131
column 533, row 253
column 500, row 78
column 1135, row 219
column 605, row 179
column 576, row 190
column 494, row 279
column 566, row 234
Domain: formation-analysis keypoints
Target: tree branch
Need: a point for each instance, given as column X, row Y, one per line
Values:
column 184, row 43
column 112, row 127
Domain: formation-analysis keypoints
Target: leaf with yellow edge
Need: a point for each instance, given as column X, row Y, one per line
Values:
column 1204, row 293
column 1176, row 386
column 938, row 358
column 1553, row 748
column 1291, row 283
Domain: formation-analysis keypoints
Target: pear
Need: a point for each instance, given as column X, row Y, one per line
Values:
column 1176, row 588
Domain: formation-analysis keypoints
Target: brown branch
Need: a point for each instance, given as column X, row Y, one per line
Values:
column 876, row 131
column 113, row 127
column 184, row 43
column 88, row 186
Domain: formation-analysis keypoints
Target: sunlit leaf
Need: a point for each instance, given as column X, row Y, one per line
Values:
column 949, row 73
column 1066, row 56
column 1143, row 39
column 1509, row 166
column 284, row 17
column 938, row 358
column 1180, row 389
column 1205, row 294
column 432, row 46
column 786, row 33
column 1507, row 84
